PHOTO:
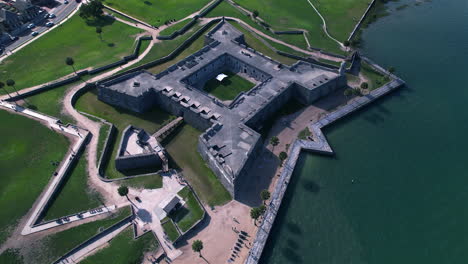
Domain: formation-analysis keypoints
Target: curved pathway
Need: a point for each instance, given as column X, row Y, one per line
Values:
column 325, row 24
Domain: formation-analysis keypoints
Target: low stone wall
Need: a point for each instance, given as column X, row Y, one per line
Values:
column 358, row 25
column 321, row 146
column 290, row 32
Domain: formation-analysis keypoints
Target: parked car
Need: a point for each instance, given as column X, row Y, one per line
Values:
column 65, row 2
column 34, row 33
column 31, row 26
column 51, row 15
column 49, row 24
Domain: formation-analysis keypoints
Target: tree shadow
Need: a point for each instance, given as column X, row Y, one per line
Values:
column 110, row 45
column 101, row 21
column 148, row 3
column 144, row 215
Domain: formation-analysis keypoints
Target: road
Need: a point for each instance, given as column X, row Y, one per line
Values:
column 61, row 11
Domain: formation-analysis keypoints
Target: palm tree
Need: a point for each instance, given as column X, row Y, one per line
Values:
column 255, row 213
column 265, row 195
column 274, row 141
column 123, row 191
column 197, row 246
column 99, row 31
column 70, row 62
column 2, row 86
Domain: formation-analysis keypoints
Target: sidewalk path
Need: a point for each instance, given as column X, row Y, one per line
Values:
column 325, row 25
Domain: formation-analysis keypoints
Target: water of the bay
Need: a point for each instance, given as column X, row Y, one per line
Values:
column 397, row 189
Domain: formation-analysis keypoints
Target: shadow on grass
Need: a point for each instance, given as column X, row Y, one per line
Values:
column 101, row 21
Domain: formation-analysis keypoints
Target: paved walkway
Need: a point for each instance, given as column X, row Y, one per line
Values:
column 324, row 26
column 146, row 211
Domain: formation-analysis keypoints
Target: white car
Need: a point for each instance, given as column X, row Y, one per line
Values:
column 31, row 26
column 51, row 15
column 65, row 2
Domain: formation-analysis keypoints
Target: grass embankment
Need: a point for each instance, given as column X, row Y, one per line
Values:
column 74, row 195
column 170, row 230
column 26, row 152
column 229, row 88
column 182, row 148
column 11, row 256
column 60, row 243
column 150, row 121
column 44, row 60
column 164, row 48
column 283, row 15
column 124, row 249
column 186, row 216
column 156, row 12
column 304, row 134
column 173, row 28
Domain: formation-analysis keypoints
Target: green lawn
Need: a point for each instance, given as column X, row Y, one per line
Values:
column 186, row 216
column 156, row 12
column 124, row 249
column 103, row 133
column 293, row 15
column 182, row 148
column 229, row 88
column 304, row 133
column 60, row 243
column 376, row 79
column 341, row 15
column 11, row 256
column 26, row 152
column 75, row 195
column 44, row 59
column 173, row 28
column 150, row 121
column 170, row 230
column 253, row 42
column 147, row 182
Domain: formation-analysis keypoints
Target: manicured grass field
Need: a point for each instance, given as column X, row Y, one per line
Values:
column 124, row 249
column 341, row 15
column 170, row 230
column 150, row 121
column 292, row 15
column 156, row 12
column 26, row 152
column 182, row 147
column 60, row 243
column 75, row 195
column 147, row 182
column 44, row 59
column 186, row 216
column 11, row 256
column 229, row 88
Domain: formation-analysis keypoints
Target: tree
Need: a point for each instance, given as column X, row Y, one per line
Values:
column 262, row 208
column 70, row 62
column 274, row 141
column 93, row 9
column 255, row 213
column 357, row 92
column 283, row 155
column 364, row 85
column 2, row 86
column 346, row 43
column 12, row 83
column 123, row 191
column 197, row 246
column 255, row 13
column 99, row 31
column 265, row 195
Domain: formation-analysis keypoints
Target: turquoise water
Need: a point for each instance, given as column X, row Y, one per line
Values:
column 406, row 153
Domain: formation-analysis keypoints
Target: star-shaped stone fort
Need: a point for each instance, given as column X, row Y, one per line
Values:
column 231, row 139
